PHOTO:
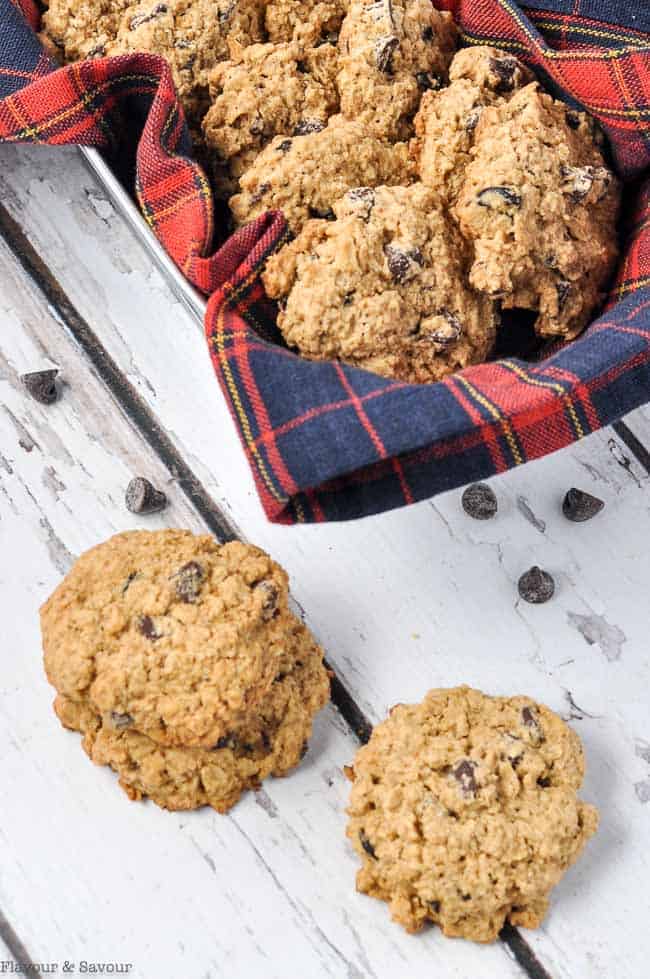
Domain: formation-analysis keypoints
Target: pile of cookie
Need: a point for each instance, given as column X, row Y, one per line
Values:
column 429, row 190
column 182, row 666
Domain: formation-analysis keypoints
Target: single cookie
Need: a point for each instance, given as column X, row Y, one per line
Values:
column 266, row 90
column 271, row 742
column 447, row 119
column 191, row 34
column 168, row 633
column 539, row 208
column 464, row 811
column 307, row 21
column 304, row 176
column 391, row 52
column 382, row 287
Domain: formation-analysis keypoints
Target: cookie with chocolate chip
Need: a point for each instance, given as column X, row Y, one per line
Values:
column 303, row 176
column 167, row 634
column 464, row 812
column 308, row 21
column 383, row 286
column 538, row 207
column 392, row 51
column 272, row 741
column 265, row 90
column 448, row 118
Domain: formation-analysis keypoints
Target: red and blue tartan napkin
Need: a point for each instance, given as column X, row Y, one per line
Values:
column 331, row 442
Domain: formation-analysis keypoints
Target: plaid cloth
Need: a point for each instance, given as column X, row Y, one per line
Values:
column 330, row 442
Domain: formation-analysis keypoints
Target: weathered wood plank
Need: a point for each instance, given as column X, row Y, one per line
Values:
column 266, row 890
column 421, row 597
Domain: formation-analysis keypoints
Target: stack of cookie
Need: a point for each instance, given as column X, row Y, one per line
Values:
column 182, row 666
column 429, row 191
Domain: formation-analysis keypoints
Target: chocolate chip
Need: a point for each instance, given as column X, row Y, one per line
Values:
column 544, row 782
column 573, row 119
column 188, row 580
column 347, row 298
column 259, row 193
column 579, row 506
column 363, row 199
column 301, row 66
column 496, row 197
column 528, row 717
column 285, row 146
column 464, row 775
column 444, row 328
column 504, row 68
column 434, row 906
column 129, row 580
column 427, row 81
column 403, row 264
column 120, row 721
column 367, row 845
column 146, row 626
column 97, row 52
column 142, row 497
column 563, row 289
column 42, row 385
column 270, row 604
column 257, row 126
column 578, row 181
column 384, row 51
column 307, row 126
column 480, row 502
column 160, row 8
column 536, row 586
column 515, row 760
column 325, row 214
column 266, row 741
column 471, row 121
column 227, row 741
column 427, row 34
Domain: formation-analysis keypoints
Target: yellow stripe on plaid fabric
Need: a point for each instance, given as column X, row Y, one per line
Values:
column 632, row 286
column 552, row 386
column 496, row 414
column 608, row 35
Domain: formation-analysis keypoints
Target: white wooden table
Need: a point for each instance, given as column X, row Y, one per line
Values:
column 418, row 598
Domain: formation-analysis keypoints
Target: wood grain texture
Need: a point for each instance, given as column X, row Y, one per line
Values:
column 88, row 876
column 421, row 597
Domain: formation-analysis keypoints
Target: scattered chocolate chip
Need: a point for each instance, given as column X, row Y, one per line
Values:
column 42, row 385
column 225, row 15
column 496, row 197
column 285, row 146
column 227, row 741
column 363, row 199
column 257, row 126
column 367, row 845
column 515, row 760
column 266, row 741
column 504, row 68
column 97, row 52
column 480, row 502
column 129, row 580
column 403, row 264
column 188, row 580
column 146, row 626
column 307, row 126
column 579, row 506
column 348, row 298
column 427, row 34
column 536, row 586
column 120, row 721
column 259, row 193
column 528, row 717
column 434, row 906
column 330, row 38
column 428, row 82
column 550, row 262
column 563, row 289
column 160, row 8
column 324, row 214
column 270, row 603
column 384, row 51
column 464, row 775
column 142, row 497
column 471, row 121
column 444, row 328
column 301, row 66
column 544, row 782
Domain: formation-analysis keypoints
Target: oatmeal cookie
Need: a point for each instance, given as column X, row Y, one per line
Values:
column 539, row 208
column 303, row 176
column 266, row 90
column 169, row 634
column 191, row 34
column 270, row 742
column 446, row 121
column 391, row 52
column 382, row 287
column 308, row 21
column 464, row 811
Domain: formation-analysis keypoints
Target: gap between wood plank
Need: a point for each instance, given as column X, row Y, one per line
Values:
column 145, row 421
